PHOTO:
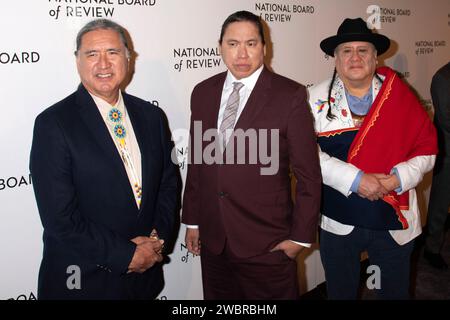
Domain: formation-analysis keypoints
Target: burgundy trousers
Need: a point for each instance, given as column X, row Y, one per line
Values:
column 272, row 275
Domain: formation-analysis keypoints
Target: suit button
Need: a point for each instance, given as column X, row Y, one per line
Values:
column 223, row 194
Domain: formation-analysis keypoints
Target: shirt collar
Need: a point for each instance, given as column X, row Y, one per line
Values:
column 360, row 106
column 367, row 98
column 104, row 106
column 248, row 82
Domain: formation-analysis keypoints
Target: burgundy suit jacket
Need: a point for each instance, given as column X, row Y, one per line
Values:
column 234, row 203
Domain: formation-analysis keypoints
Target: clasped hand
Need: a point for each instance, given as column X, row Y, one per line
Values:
column 148, row 252
column 374, row 186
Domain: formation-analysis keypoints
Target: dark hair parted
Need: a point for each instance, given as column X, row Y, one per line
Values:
column 330, row 115
column 102, row 24
column 240, row 16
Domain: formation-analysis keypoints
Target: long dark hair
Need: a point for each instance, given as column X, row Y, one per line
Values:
column 330, row 115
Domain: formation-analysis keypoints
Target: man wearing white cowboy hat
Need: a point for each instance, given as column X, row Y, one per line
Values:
column 376, row 143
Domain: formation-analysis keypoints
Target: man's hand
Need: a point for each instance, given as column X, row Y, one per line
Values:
column 192, row 240
column 389, row 182
column 147, row 253
column 290, row 248
column 371, row 188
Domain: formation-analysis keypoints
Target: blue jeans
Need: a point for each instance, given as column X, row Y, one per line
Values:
column 341, row 260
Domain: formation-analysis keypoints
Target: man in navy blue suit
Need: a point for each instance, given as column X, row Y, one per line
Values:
column 105, row 185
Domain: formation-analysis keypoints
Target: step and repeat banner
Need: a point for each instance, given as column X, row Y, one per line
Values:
column 176, row 47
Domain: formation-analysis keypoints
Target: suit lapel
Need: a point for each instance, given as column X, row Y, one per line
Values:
column 256, row 102
column 144, row 139
column 216, row 92
column 99, row 132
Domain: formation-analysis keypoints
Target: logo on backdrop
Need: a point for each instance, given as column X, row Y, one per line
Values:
column 15, row 182
column 427, row 104
column 181, row 156
column 92, row 8
column 379, row 15
column 23, row 296
column 186, row 256
column 426, row 47
column 278, row 12
column 196, row 58
column 20, row 57
column 403, row 74
column 180, row 151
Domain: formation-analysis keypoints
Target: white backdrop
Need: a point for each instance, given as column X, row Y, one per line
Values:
column 176, row 45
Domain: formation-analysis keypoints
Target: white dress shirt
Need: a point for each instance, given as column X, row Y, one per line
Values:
column 249, row 83
column 130, row 138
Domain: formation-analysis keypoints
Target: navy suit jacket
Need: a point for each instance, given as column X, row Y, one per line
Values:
column 86, row 203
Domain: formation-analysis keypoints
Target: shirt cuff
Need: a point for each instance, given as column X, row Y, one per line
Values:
column 307, row 245
column 355, row 185
column 395, row 171
column 191, row 226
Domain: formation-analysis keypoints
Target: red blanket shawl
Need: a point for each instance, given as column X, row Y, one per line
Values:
column 396, row 129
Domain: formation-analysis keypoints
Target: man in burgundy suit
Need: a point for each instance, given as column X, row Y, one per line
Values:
column 239, row 205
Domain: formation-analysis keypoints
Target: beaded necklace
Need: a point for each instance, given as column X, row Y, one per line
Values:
column 115, row 122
